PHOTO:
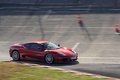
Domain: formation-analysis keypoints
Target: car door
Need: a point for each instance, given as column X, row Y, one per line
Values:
column 34, row 51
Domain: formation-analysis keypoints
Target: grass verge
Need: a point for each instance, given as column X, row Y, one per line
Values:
column 14, row 71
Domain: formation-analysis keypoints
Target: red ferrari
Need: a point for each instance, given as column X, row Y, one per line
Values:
column 42, row 51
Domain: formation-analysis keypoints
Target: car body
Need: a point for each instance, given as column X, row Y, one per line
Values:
column 43, row 51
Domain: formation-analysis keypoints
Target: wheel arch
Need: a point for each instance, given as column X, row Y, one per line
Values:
column 11, row 51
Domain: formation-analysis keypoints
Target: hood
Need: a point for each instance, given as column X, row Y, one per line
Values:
column 65, row 51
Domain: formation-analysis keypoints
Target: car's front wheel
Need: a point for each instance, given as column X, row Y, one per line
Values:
column 49, row 58
column 15, row 55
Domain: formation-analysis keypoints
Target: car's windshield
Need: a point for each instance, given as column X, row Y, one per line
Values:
column 50, row 46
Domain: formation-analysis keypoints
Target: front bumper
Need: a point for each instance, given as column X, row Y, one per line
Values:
column 66, row 59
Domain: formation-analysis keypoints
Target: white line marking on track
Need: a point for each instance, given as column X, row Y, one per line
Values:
column 99, row 58
column 100, row 43
column 46, row 16
column 75, row 46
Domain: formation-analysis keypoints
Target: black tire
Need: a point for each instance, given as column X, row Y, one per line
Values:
column 49, row 59
column 15, row 55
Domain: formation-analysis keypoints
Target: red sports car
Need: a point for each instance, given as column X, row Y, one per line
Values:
column 43, row 51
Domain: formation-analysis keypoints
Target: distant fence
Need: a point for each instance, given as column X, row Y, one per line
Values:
column 80, row 3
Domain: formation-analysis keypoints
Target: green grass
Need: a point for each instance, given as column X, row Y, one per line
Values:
column 14, row 71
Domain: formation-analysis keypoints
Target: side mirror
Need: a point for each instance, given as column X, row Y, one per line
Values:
column 59, row 45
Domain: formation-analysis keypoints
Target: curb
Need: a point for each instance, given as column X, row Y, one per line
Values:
column 68, row 71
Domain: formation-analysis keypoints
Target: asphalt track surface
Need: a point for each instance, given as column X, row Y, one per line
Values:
column 96, row 41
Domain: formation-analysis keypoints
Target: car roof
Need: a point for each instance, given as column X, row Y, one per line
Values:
column 39, row 41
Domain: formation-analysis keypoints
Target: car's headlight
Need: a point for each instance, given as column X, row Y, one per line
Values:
column 61, row 54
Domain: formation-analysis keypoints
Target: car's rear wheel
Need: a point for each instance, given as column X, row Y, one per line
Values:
column 49, row 58
column 15, row 55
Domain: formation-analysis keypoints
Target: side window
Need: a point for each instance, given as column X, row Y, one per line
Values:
column 27, row 45
column 34, row 46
